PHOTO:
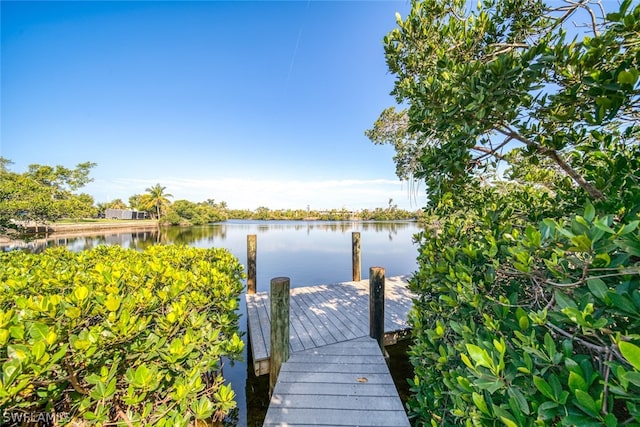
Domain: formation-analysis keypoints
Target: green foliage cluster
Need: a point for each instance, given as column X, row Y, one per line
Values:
column 377, row 214
column 527, row 325
column 115, row 335
column 184, row 212
column 42, row 194
column 525, row 130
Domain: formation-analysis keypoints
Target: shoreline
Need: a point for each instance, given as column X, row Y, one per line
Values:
column 76, row 229
column 91, row 226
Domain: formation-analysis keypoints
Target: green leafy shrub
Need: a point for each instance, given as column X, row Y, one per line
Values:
column 115, row 335
column 522, row 325
column 522, row 119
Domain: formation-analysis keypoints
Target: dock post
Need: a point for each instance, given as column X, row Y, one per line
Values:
column 251, row 263
column 376, row 305
column 279, row 328
column 355, row 255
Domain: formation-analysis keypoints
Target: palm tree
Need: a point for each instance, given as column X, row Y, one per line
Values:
column 156, row 199
column 117, row 204
column 135, row 202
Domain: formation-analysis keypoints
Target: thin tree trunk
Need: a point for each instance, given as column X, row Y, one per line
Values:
column 553, row 154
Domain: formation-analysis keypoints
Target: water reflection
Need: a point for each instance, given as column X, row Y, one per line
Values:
column 199, row 235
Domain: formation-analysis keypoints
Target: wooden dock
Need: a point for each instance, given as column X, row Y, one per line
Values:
column 336, row 374
column 346, row 384
column 327, row 314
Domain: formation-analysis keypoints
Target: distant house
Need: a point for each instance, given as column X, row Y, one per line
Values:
column 125, row 214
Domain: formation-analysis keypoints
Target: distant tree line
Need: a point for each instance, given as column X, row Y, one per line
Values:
column 45, row 194
column 185, row 212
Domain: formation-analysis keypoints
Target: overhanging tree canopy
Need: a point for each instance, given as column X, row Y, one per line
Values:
column 524, row 127
column 514, row 74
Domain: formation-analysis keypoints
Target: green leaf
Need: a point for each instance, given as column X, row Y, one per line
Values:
column 508, row 422
column 10, row 371
column 18, row 351
column 38, row 331
column 626, row 77
column 631, row 352
column 202, row 408
column 628, row 228
column 632, row 377
column 81, row 293
column 564, row 301
column 601, row 225
column 38, row 350
column 610, row 420
column 576, row 382
column 521, row 401
column 589, row 212
column 112, row 302
column 587, row 403
column 543, row 387
column 598, row 288
column 479, row 355
column 581, row 243
column 480, row 403
column 547, row 410
column 467, row 361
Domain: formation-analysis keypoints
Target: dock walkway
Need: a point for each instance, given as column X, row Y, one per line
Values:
column 342, row 384
column 336, row 374
column 327, row 314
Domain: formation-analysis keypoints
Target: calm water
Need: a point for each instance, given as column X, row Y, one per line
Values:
column 307, row 252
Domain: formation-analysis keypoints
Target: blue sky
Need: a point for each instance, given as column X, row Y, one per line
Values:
column 254, row 103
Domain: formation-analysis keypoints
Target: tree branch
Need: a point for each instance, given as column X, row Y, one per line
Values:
column 73, row 379
column 553, row 155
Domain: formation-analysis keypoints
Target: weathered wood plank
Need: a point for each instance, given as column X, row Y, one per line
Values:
column 352, row 312
column 336, row 358
column 336, row 368
column 354, row 389
column 321, row 299
column 252, row 245
column 321, row 377
column 319, row 316
column 257, row 338
column 304, row 416
column 296, row 337
column 280, row 287
column 379, row 403
column 325, row 314
column 345, row 350
column 299, row 310
column 327, row 386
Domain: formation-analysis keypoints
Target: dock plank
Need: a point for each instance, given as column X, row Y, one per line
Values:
column 345, row 384
column 321, row 298
column 353, row 309
column 319, row 316
column 326, row 314
column 307, row 320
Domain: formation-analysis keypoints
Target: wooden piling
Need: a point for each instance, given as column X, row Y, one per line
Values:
column 252, row 245
column 279, row 328
column 376, row 305
column 355, row 255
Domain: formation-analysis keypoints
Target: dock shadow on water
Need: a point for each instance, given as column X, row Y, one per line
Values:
column 401, row 369
column 257, row 395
